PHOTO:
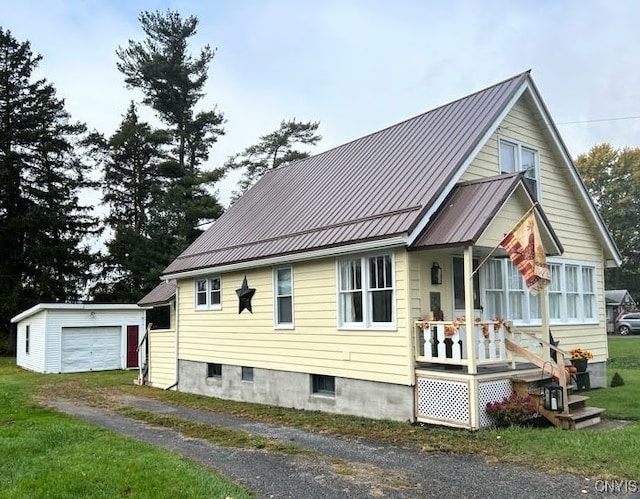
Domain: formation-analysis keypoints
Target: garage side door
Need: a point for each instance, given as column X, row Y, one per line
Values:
column 91, row 348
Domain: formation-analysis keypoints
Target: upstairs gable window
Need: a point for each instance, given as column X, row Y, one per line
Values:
column 516, row 157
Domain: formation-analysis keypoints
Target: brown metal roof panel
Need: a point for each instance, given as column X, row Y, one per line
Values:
column 162, row 294
column 399, row 167
column 467, row 211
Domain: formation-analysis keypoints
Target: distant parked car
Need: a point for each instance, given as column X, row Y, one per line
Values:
column 628, row 323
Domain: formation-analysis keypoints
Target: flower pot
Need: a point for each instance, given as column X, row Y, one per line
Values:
column 580, row 365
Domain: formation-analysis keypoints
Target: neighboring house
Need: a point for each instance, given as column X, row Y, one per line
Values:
column 617, row 302
column 72, row 337
column 341, row 255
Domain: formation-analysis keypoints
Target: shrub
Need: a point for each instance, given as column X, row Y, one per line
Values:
column 616, row 380
column 513, row 409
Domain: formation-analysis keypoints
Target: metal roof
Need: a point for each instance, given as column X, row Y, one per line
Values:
column 375, row 187
column 467, row 211
column 162, row 294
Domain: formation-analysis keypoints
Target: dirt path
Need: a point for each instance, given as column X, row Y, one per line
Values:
column 335, row 467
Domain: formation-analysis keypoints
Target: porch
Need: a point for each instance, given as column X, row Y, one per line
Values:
column 461, row 366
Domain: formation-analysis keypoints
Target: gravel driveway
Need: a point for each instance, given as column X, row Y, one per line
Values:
column 337, row 467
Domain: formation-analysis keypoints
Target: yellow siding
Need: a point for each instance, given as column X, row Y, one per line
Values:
column 315, row 345
column 162, row 357
column 560, row 200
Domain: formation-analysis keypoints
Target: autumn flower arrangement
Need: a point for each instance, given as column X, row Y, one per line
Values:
column 454, row 327
column 514, row 409
column 581, row 354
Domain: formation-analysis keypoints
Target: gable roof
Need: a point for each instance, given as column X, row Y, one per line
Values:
column 372, row 188
column 618, row 297
column 469, row 209
column 380, row 190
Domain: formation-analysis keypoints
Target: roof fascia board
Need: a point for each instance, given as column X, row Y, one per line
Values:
column 564, row 153
column 75, row 306
column 396, row 241
column 413, row 236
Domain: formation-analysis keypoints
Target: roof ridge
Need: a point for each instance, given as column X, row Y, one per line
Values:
column 429, row 111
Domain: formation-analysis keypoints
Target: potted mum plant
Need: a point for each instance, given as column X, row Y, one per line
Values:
column 580, row 357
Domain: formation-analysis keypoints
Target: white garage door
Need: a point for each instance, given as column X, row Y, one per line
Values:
column 91, row 348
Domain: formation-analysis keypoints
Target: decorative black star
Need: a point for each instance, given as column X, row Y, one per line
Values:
column 245, row 293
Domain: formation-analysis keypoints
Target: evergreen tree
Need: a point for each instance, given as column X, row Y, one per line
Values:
column 42, row 224
column 172, row 81
column 131, row 160
column 274, row 149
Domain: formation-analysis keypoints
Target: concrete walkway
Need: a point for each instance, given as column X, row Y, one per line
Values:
column 338, row 468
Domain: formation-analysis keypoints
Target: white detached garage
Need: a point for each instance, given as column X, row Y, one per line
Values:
column 77, row 337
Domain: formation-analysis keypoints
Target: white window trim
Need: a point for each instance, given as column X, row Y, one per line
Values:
column 207, row 305
column 519, row 146
column 367, row 324
column 564, row 319
column 276, row 323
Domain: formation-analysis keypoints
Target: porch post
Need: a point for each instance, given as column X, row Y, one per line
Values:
column 472, row 347
column 544, row 315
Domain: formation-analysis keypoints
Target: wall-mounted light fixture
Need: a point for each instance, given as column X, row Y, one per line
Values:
column 436, row 273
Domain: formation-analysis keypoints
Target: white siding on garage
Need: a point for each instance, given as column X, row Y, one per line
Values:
column 95, row 327
column 91, row 348
column 88, row 318
column 35, row 359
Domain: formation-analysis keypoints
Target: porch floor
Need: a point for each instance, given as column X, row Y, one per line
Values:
column 482, row 370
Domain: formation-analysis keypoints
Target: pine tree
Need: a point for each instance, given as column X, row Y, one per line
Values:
column 274, row 149
column 173, row 81
column 42, row 224
column 131, row 160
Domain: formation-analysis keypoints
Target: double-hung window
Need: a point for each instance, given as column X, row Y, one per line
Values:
column 572, row 297
column 366, row 292
column 208, row 293
column 516, row 157
column 283, row 306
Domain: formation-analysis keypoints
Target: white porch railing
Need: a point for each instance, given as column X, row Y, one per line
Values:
column 446, row 342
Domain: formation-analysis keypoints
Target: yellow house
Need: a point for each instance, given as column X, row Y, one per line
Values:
column 345, row 282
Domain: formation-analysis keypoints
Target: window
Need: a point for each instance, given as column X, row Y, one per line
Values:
column 518, row 158
column 588, row 294
column 366, row 292
column 214, row 370
column 26, row 339
column 208, row 293
column 571, row 293
column 283, row 297
column 247, row 373
column 323, row 385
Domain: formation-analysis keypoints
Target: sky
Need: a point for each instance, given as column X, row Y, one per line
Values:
column 354, row 66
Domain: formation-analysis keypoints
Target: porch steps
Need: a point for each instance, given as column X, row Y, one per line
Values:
column 579, row 414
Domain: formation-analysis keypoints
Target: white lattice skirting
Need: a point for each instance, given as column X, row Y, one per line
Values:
column 491, row 391
column 446, row 401
column 449, row 402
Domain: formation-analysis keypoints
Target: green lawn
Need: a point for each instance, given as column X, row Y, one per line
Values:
column 621, row 402
column 46, row 451
column 46, row 454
